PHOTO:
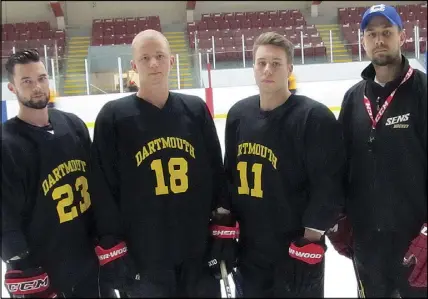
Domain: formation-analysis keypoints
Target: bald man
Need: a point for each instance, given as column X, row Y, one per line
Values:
column 158, row 176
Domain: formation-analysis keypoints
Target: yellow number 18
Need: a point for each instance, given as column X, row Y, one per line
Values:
column 178, row 180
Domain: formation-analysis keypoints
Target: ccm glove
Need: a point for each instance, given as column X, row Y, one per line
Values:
column 340, row 236
column 23, row 280
column 117, row 267
column 417, row 256
column 308, row 264
column 224, row 232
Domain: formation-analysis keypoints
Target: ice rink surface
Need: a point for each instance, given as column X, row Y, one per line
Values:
column 340, row 279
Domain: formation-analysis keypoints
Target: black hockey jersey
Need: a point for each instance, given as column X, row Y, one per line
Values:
column 46, row 200
column 159, row 174
column 286, row 166
column 387, row 177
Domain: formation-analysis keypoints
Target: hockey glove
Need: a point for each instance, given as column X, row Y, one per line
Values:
column 308, row 264
column 223, row 243
column 340, row 236
column 117, row 267
column 417, row 256
column 23, row 280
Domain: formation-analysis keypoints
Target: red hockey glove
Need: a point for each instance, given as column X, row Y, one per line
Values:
column 308, row 266
column 223, row 244
column 117, row 267
column 309, row 252
column 417, row 255
column 340, row 236
column 29, row 283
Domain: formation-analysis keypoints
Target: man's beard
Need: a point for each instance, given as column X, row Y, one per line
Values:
column 386, row 59
column 34, row 103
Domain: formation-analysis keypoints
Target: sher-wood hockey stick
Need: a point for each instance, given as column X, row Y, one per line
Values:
column 361, row 293
column 225, row 279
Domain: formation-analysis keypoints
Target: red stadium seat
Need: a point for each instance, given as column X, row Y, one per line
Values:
column 43, row 26
column 108, row 40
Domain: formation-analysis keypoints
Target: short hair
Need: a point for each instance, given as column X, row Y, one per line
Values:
column 275, row 39
column 20, row 57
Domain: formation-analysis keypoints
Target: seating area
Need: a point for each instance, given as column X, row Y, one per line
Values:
column 229, row 30
column 32, row 35
column 119, row 31
column 412, row 15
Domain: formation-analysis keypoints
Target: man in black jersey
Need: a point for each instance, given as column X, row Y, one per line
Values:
column 47, row 234
column 384, row 120
column 159, row 174
column 284, row 157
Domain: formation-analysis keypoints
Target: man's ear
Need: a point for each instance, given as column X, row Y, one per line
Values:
column 11, row 87
column 171, row 60
column 403, row 37
column 133, row 66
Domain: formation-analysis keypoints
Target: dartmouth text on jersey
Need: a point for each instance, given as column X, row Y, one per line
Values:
column 164, row 143
column 249, row 148
column 60, row 171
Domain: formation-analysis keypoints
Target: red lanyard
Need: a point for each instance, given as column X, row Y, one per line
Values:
column 387, row 101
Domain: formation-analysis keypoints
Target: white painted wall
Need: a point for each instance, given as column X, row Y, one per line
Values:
column 81, row 13
column 304, row 73
column 27, row 11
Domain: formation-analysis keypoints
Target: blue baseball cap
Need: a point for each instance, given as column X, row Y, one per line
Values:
column 386, row 11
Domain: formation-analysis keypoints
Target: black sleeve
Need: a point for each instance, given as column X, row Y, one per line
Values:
column 423, row 110
column 345, row 117
column 214, row 150
column 105, row 176
column 87, row 142
column 13, row 204
column 423, row 113
column 230, row 153
column 325, row 160
column 82, row 130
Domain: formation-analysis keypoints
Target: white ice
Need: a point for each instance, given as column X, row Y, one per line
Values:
column 340, row 279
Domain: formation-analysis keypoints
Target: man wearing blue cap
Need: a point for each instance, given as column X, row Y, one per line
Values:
column 384, row 119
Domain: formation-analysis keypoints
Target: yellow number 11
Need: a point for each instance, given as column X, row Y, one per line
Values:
column 256, row 191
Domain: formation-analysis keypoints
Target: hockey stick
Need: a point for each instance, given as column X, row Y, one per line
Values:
column 361, row 293
column 225, row 279
column 237, row 280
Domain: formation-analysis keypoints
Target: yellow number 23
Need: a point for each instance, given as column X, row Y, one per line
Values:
column 65, row 196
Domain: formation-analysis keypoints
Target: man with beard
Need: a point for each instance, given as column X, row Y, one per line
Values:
column 384, row 120
column 46, row 202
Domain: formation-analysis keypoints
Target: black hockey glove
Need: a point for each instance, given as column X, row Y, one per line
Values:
column 117, row 269
column 223, row 243
column 308, row 264
column 23, row 280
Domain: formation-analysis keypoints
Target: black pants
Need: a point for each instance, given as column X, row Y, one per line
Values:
column 191, row 278
column 280, row 279
column 379, row 258
column 90, row 287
